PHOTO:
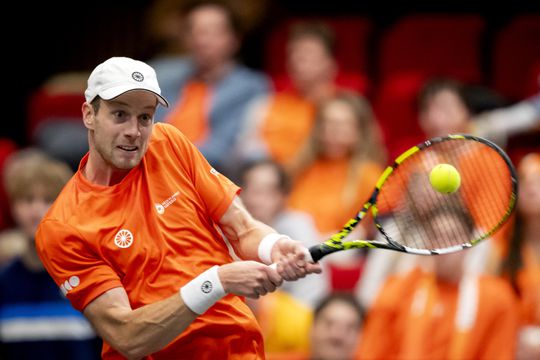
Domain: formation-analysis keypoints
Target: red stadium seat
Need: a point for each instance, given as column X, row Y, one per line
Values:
column 516, row 58
column 437, row 44
column 395, row 106
column 352, row 35
column 7, row 147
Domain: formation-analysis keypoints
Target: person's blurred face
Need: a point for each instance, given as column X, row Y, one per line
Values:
column 28, row 211
column 335, row 332
column 309, row 62
column 529, row 189
column 444, row 114
column 339, row 131
column 210, row 38
column 448, row 226
column 261, row 194
column 121, row 129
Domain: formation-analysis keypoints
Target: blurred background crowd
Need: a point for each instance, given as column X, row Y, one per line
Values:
column 302, row 105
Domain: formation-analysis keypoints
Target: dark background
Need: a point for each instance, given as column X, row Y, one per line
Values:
column 41, row 39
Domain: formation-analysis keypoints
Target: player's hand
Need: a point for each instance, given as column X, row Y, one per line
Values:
column 249, row 278
column 290, row 257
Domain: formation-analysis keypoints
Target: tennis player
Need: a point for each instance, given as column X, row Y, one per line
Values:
column 140, row 239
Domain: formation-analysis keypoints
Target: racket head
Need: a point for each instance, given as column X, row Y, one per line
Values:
column 415, row 218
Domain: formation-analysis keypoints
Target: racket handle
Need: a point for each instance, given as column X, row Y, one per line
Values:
column 307, row 256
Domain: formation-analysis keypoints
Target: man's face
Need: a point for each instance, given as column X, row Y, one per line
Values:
column 210, row 38
column 309, row 62
column 120, row 130
column 335, row 332
column 445, row 113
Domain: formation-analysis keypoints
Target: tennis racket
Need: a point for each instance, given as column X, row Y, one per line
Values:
column 415, row 218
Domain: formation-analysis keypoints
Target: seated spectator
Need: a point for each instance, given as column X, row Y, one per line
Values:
column 209, row 90
column 278, row 125
column 522, row 265
column 345, row 143
column 441, row 310
column 285, row 315
column 36, row 320
column 265, row 190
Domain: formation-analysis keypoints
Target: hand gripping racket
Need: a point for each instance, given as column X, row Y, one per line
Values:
column 414, row 217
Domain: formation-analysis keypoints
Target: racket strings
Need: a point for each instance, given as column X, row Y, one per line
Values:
column 418, row 216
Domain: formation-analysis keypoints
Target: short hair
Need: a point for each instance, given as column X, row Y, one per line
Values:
column 231, row 14
column 29, row 168
column 284, row 183
column 315, row 29
column 344, row 297
column 96, row 104
column 436, row 85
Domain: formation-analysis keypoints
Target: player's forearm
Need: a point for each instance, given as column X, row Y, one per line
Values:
column 140, row 332
column 243, row 231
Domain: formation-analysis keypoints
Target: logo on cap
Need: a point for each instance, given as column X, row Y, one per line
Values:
column 137, row 76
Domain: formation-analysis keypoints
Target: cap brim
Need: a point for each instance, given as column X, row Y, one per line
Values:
column 114, row 92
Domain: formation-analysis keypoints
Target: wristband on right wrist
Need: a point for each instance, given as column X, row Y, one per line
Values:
column 203, row 291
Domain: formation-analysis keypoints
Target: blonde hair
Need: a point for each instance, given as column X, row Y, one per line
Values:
column 29, row 168
column 369, row 147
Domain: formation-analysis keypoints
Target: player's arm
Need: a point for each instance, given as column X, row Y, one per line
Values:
column 253, row 240
column 139, row 332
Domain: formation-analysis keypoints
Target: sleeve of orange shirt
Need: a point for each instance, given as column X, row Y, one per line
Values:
column 216, row 190
column 75, row 268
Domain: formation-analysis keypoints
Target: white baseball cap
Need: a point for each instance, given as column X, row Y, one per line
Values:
column 118, row 75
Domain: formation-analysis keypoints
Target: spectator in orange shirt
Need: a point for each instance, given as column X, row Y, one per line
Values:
column 441, row 310
column 135, row 239
column 522, row 264
column 279, row 124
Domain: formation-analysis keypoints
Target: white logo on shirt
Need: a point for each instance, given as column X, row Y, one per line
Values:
column 214, row 172
column 69, row 284
column 123, row 239
column 160, row 208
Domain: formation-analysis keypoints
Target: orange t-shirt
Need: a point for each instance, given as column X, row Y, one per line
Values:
column 399, row 327
column 191, row 113
column 319, row 192
column 151, row 234
column 287, row 125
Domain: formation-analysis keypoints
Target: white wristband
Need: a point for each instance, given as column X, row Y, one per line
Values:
column 202, row 292
column 266, row 244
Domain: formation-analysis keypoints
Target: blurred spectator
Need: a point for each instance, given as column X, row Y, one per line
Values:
column 446, row 106
column 54, row 118
column 278, row 125
column 339, row 165
column 36, row 320
column 522, row 265
column 335, row 173
column 285, row 315
column 265, row 190
column 442, row 310
column 209, row 89
column 336, row 328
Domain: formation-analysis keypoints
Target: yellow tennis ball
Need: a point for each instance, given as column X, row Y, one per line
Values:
column 445, row 178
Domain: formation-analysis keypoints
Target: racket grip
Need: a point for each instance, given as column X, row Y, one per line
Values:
column 307, row 256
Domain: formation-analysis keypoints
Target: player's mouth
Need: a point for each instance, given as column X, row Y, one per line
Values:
column 128, row 148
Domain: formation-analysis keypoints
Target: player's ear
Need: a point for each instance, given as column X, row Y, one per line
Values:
column 88, row 114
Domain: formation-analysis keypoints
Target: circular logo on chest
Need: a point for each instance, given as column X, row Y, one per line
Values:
column 123, row 239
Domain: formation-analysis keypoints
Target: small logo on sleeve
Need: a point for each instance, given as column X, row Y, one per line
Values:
column 206, row 287
column 70, row 284
column 123, row 239
column 214, row 172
